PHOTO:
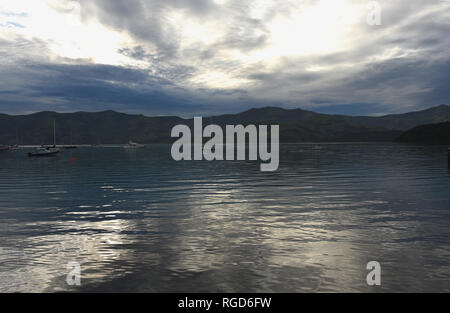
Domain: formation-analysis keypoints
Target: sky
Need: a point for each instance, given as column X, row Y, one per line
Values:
column 205, row 57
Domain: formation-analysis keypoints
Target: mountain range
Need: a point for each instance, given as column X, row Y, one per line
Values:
column 296, row 125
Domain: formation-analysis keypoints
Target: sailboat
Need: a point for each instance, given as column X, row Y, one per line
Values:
column 16, row 146
column 133, row 145
column 71, row 146
column 46, row 151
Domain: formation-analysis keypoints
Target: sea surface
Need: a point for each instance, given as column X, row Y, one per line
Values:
column 135, row 220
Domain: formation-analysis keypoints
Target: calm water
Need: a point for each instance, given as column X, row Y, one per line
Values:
column 138, row 221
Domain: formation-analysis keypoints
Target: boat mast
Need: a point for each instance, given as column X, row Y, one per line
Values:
column 54, row 133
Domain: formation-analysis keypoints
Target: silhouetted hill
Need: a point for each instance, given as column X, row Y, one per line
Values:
column 296, row 125
column 267, row 114
column 437, row 134
column 98, row 127
column 406, row 121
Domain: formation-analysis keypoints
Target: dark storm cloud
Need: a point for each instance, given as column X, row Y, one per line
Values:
column 400, row 65
column 163, row 69
column 146, row 20
column 93, row 88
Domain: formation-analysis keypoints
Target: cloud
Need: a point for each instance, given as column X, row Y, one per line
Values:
column 94, row 87
column 205, row 57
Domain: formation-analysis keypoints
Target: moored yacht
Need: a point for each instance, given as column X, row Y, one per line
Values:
column 46, row 151
column 133, row 145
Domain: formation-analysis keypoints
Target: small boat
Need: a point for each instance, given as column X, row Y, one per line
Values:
column 14, row 147
column 4, row 148
column 133, row 145
column 44, row 151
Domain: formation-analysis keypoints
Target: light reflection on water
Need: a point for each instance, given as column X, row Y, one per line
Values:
column 138, row 221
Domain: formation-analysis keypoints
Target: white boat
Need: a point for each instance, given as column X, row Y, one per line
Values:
column 46, row 151
column 133, row 145
column 15, row 147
